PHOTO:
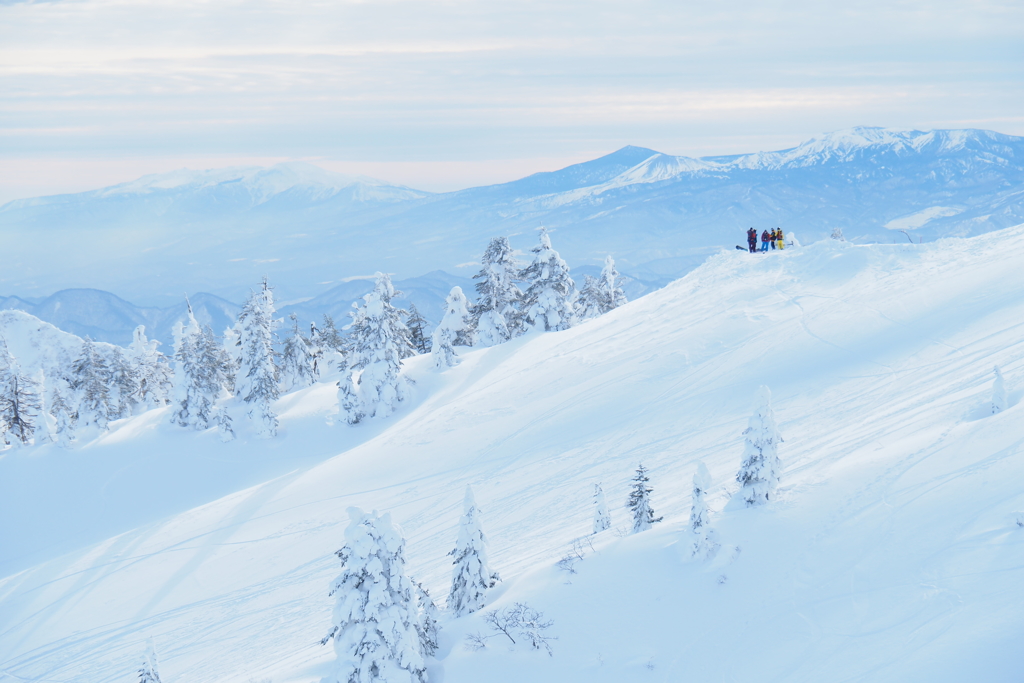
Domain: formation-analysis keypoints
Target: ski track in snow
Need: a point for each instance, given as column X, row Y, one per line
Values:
column 889, row 554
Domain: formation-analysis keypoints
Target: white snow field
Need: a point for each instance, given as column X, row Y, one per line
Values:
column 893, row 551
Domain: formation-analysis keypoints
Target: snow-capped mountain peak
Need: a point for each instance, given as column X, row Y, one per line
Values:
column 261, row 183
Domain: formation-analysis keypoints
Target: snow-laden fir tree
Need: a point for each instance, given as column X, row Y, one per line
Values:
column 612, row 295
column 372, row 385
column 837, row 234
column 225, row 425
column 1000, row 399
column 602, row 517
column 429, row 620
column 417, row 326
column 154, row 376
column 588, row 303
column 332, row 347
column 199, row 373
column 495, row 315
column 639, row 501
column 375, row 614
column 550, row 298
column 298, row 360
column 19, row 401
column 148, row 671
column 600, row 295
column 256, row 382
column 472, row 575
column 124, row 385
column 451, row 331
column 759, row 473
column 90, row 380
column 64, row 416
column 704, row 543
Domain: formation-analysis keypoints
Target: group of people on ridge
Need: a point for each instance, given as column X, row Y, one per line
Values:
column 775, row 237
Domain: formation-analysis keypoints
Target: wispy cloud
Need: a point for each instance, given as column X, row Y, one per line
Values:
column 478, row 83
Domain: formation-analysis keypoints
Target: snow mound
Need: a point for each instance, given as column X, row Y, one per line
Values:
column 891, row 552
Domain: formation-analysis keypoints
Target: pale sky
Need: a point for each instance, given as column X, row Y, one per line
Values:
column 441, row 95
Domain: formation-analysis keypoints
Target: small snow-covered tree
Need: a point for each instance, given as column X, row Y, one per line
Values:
column 153, row 371
column 1000, row 399
column 495, row 315
column 429, row 620
column 200, row 373
column 256, row 381
column 63, row 414
column 610, row 286
column 759, row 473
column 332, row 347
column 550, row 297
column 124, row 385
column 372, row 383
column 639, row 501
column 837, row 234
column 588, row 303
column 451, row 330
column 224, row 423
column 602, row 518
column 90, row 379
column 472, row 575
column 600, row 295
column 298, row 360
column 417, row 326
column 148, row 671
column 19, row 401
column 704, row 543
column 375, row 617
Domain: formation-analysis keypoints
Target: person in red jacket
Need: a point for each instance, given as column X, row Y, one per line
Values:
column 765, row 239
column 752, row 240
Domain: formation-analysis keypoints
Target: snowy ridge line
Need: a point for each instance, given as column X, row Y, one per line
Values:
column 887, row 555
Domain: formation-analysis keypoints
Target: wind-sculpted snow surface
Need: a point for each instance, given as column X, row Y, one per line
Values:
column 891, row 550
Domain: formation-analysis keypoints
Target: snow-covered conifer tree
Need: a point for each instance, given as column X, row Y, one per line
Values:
column 704, row 543
column 200, row 373
column 63, row 414
column 223, row 420
column 19, row 401
column 549, row 301
column 256, row 380
column 495, row 315
column 759, row 473
column 611, row 289
column 588, row 303
column 600, row 295
column 333, row 347
column 429, row 618
column 837, row 234
column 602, row 518
column 372, row 384
column 1000, row 399
column 153, row 371
column 417, row 326
column 124, row 385
column 298, row 360
column 148, row 671
column 640, row 501
column 90, row 379
column 451, row 330
column 375, row 617
column 472, row 575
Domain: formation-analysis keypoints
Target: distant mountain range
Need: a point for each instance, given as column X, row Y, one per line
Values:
column 659, row 215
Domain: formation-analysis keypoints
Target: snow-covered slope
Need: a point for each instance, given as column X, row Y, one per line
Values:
column 220, row 231
column 893, row 552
